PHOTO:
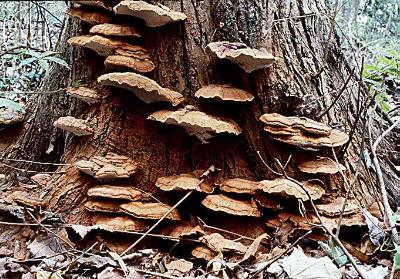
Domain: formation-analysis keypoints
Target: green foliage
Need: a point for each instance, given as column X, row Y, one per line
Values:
column 383, row 76
column 6, row 103
column 396, row 257
column 77, row 83
column 42, row 59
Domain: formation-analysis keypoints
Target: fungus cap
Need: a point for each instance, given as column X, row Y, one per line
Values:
column 119, row 62
column 224, row 93
column 231, row 206
column 78, row 127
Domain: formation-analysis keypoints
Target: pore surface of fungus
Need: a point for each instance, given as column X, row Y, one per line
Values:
column 197, row 123
column 149, row 210
column 103, row 206
column 10, row 112
column 115, row 192
column 112, row 166
column 120, row 62
column 240, row 186
column 224, row 93
column 108, row 46
column 183, row 182
column 85, row 94
column 144, row 88
column 154, row 16
column 231, row 206
column 111, row 29
column 289, row 188
column 92, row 17
column 78, row 127
column 249, row 59
column 321, row 165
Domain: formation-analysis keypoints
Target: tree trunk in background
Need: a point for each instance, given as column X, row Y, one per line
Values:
column 294, row 31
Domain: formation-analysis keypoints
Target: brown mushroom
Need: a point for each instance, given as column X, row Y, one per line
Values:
column 154, row 16
column 267, row 201
column 183, row 182
column 185, row 229
column 231, row 206
column 179, row 267
column 119, row 62
column 203, row 252
column 240, row 186
column 92, row 17
column 102, row 206
column 26, row 199
column 224, row 93
column 149, row 210
column 288, row 188
column 218, row 243
column 78, row 127
column 118, row 30
column 334, row 139
column 118, row 223
column 321, row 165
column 197, row 123
column 249, row 59
column 144, row 88
column 85, row 94
column 112, row 166
column 93, row 3
column 107, row 46
column 116, row 192
column 303, row 124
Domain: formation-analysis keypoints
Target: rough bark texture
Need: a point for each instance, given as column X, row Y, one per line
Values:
column 296, row 32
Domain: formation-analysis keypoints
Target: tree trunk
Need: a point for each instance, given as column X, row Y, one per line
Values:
column 300, row 83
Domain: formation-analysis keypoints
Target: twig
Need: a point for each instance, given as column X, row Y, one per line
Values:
column 203, row 224
column 30, row 171
column 156, row 224
column 50, row 231
column 338, row 95
column 277, row 257
column 207, row 172
column 385, row 201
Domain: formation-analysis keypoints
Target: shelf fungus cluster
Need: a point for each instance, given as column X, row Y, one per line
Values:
column 249, row 59
column 78, row 127
column 197, row 123
column 85, row 94
column 109, row 167
column 302, row 132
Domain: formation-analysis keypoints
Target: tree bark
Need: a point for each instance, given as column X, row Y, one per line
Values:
column 300, row 83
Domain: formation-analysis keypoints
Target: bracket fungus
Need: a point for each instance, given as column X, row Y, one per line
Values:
column 118, row 223
column 119, row 62
column 151, row 210
column 224, row 93
column 144, row 88
column 239, row 186
column 183, row 182
column 302, row 131
column 288, row 188
column 218, row 243
column 118, row 30
column 333, row 208
column 78, row 127
column 321, row 165
column 154, row 16
column 112, row 166
column 102, row 206
column 203, row 252
column 10, row 112
column 249, row 59
column 197, row 123
column 185, row 229
column 231, row 206
column 92, row 17
column 115, row 192
column 106, row 46
column 26, row 199
column 93, row 3
column 85, row 94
